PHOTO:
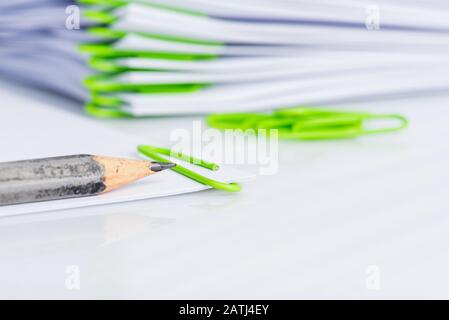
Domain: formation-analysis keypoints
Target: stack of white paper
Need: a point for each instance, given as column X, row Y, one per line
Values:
column 163, row 57
column 38, row 48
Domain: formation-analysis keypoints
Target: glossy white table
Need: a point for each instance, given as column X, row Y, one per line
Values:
column 364, row 218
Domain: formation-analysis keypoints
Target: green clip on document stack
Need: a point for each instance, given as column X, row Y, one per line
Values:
column 178, row 57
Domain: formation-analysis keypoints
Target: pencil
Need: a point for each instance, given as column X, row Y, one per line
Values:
column 69, row 177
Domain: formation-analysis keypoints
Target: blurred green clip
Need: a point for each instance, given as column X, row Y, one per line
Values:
column 311, row 123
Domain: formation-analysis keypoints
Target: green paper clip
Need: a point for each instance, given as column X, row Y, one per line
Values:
column 106, row 83
column 106, row 50
column 102, row 17
column 308, row 123
column 106, row 112
column 148, row 3
column 112, row 3
column 156, row 153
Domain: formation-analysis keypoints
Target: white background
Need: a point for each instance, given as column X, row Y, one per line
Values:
column 311, row 231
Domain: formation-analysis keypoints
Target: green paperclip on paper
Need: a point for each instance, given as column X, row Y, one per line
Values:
column 309, row 123
column 157, row 153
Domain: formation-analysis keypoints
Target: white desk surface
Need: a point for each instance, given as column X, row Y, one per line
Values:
column 311, row 231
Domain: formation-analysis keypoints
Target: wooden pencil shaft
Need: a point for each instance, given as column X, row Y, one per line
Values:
column 66, row 177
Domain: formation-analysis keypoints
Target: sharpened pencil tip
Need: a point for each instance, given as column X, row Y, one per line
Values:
column 160, row 166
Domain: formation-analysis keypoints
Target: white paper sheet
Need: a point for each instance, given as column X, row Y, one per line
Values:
column 403, row 13
column 141, row 18
column 305, row 60
column 294, row 72
column 35, row 131
column 289, row 93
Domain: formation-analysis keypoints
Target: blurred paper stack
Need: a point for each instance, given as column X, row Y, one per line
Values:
column 37, row 47
column 166, row 57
